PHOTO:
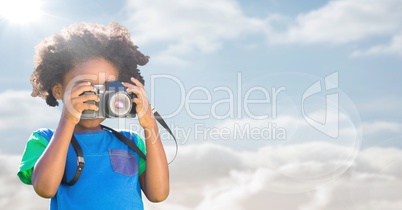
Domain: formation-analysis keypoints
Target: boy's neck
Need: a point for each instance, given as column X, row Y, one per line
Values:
column 80, row 129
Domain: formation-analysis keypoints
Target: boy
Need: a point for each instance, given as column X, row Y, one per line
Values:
column 67, row 66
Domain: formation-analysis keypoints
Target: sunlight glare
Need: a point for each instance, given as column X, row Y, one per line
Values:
column 21, row 11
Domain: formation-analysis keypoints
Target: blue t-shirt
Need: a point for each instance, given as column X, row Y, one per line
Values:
column 109, row 180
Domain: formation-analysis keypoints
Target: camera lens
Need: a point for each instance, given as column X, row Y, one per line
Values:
column 120, row 104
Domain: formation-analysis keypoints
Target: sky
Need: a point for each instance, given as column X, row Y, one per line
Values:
column 274, row 104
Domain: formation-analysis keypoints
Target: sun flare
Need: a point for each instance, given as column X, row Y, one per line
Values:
column 21, row 11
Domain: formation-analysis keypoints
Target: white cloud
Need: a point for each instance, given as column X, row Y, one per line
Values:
column 394, row 47
column 320, row 198
column 181, row 27
column 344, row 21
column 290, row 129
column 13, row 193
column 253, row 183
column 187, row 26
column 213, row 177
column 377, row 127
column 19, row 109
column 380, row 103
column 20, row 115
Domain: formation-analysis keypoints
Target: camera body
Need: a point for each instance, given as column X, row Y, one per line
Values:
column 114, row 102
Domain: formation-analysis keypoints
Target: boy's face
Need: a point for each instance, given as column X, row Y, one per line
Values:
column 96, row 71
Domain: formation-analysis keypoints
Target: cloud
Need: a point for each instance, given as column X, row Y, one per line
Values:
column 254, row 183
column 13, row 193
column 381, row 103
column 188, row 24
column 214, row 177
column 344, row 21
column 394, row 47
column 182, row 27
column 20, row 115
column 376, row 127
column 19, row 107
column 290, row 129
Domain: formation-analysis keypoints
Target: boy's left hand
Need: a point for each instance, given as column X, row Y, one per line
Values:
column 144, row 111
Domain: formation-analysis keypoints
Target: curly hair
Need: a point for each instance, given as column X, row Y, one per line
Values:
column 58, row 54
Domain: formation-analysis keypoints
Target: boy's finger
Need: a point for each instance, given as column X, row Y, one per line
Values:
column 134, row 89
column 89, row 97
column 136, row 82
column 86, row 106
column 79, row 90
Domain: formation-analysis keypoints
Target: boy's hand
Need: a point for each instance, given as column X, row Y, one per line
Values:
column 143, row 108
column 74, row 101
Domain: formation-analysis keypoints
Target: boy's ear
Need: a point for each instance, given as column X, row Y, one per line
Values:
column 57, row 91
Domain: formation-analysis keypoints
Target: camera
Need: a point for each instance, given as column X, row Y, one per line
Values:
column 114, row 102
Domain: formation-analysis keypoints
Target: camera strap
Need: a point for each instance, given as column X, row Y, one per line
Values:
column 80, row 155
column 126, row 141
column 161, row 121
column 80, row 162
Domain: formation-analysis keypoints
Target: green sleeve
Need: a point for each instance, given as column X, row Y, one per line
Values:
column 33, row 150
column 142, row 162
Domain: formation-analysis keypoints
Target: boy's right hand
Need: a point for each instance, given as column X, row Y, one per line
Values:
column 74, row 101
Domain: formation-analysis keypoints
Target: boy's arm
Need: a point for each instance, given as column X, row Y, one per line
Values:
column 155, row 180
column 49, row 169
